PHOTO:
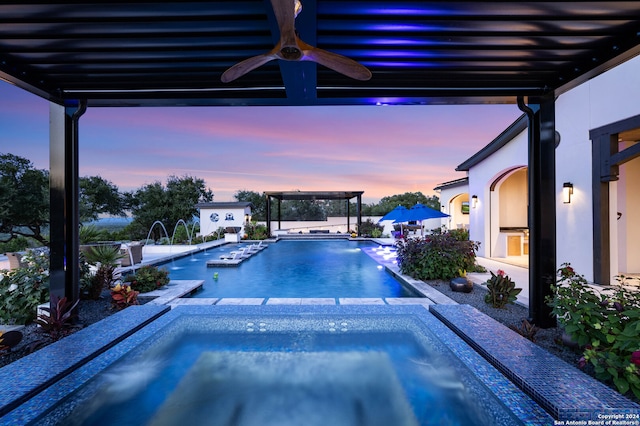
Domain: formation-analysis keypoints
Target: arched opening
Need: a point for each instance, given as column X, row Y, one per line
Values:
column 459, row 208
column 509, row 217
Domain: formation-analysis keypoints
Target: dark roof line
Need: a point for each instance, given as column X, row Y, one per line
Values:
column 503, row 138
column 452, row 183
column 229, row 204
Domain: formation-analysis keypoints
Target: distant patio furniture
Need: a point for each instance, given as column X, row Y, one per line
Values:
column 15, row 260
column 318, row 231
column 131, row 251
column 235, row 255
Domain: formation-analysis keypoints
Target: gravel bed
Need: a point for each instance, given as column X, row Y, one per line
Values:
column 511, row 316
column 89, row 312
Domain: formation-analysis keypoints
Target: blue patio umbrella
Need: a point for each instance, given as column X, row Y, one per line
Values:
column 395, row 213
column 418, row 213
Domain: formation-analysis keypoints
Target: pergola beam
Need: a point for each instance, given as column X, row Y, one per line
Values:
column 312, row 195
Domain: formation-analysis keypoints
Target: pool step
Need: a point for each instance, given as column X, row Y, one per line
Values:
column 301, row 301
column 175, row 290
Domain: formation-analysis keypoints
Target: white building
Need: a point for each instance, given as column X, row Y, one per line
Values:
column 596, row 157
column 454, row 201
column 217, row 217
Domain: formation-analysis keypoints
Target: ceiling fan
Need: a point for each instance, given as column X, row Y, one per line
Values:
column 291, row 48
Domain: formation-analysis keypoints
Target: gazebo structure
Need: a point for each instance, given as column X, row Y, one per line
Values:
column 314, row 195
column 174, row 53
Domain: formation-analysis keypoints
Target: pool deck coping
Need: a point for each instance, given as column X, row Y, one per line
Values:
column 563, row 390
column 29, row 375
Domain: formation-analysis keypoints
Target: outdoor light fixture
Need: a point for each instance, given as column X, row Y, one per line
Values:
column 567, row 191
column 474, row 201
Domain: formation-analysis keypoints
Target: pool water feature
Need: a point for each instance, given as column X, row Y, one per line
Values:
column 276, row 365
column 292, row 269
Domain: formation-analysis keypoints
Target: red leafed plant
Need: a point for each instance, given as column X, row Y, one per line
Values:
column 123, row 296
column 57, row 322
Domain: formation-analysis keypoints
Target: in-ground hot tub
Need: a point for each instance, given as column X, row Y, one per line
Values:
column 281, row 365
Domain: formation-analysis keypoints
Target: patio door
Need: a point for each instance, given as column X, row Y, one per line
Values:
column 616, row 200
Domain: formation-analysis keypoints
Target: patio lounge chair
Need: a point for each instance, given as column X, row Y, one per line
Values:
column 255, row 248
column 136, row 254
column 236, row 255
column 261, row 245
column 15, row 260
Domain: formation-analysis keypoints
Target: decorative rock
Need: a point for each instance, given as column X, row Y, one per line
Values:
column 461, row 284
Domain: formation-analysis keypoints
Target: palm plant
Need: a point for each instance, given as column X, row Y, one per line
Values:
column 105, row 258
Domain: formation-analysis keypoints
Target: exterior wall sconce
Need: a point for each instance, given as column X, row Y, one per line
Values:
column 474, row 201
column 567, row 191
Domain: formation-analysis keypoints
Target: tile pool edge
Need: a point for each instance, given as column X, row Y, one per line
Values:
column 566, row 392
column 27, row 377
column 521, row 405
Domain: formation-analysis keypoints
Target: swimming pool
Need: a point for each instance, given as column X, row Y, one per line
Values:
column 265, row 365
column 296, row 269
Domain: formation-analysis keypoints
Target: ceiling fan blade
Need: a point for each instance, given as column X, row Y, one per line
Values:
column 241, row 68
column 336, row 62
column 285, row 11
column 291, row 48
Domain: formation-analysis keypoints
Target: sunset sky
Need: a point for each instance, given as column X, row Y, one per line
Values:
column 380, row 150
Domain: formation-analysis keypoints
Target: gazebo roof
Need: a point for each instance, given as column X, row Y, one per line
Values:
column 313, row 195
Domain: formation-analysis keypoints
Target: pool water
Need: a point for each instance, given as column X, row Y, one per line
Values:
column 269, row 370
column 292, row 269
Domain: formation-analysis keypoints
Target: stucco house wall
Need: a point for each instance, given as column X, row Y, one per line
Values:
column 601, row 101
column 605, row 99
column 484, row 227
column 452, row 195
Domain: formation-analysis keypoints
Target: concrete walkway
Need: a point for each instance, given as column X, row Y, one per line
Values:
column 519, row 275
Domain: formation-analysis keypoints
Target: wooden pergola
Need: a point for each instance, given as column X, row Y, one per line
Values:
column 314, row 195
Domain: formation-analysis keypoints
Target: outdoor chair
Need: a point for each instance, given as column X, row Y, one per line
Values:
column 136, row 254
column 15, row 260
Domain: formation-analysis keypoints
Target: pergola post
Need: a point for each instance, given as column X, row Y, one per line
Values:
column 542, row 206
column 268, row 214
column 349, row 217
column 64, row 270
column 359, row 211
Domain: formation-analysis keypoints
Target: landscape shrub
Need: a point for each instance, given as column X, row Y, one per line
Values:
column 147, row 278
column 185, row 235
column 57, row 321
column 23, row 289
column 123, row 296
column 255, row 231
column 15, row 244
column 105, row 258
column 370, row 229
column 501, row 290
column 439, row 256
column 605, row 323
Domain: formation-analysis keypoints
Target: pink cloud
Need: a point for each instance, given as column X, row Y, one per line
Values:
column 381, row 150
